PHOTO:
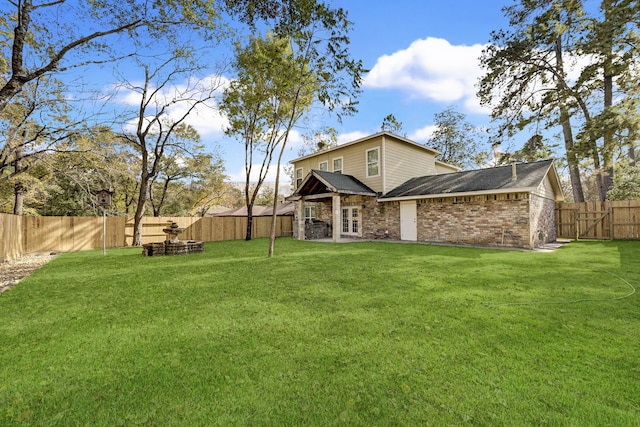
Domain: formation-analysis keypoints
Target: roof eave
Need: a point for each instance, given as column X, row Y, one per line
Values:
column 330, row 188
column 360, row 193
column 440, row 162
column 461, row 194
column 555, row 182
column 359, row 140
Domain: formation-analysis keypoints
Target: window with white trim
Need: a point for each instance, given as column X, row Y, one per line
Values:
column 298, row 177
column 323, row 166
column 373, row 162
column 337, row 165
column 309, row 213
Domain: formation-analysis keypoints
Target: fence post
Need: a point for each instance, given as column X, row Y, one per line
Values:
column 611, row 227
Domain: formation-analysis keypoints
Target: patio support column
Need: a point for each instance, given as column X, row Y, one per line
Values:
column 300, row 215
column 335, row 204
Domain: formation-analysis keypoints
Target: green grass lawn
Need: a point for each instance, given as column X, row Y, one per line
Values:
column 369, row 333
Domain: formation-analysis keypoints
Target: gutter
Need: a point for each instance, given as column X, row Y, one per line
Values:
column 468, row 193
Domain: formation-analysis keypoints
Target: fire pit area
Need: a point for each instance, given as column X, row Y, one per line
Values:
column 172, row 245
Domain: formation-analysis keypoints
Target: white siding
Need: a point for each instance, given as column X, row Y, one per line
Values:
column 444, row 168
column 545, row 189
column 400, row 160
column 403, row 162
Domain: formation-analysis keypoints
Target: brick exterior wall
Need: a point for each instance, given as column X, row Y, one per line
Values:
column 506, row 220
column 501, row 220
column 474, row 222
column 381, row 220
column 542, row 219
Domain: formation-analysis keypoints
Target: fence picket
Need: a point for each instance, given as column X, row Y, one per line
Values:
column 618, row 220
column 20, row 235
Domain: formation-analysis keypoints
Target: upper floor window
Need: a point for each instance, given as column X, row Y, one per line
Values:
column 373, row 162
column 323, row 166
column 337, row 165
column 298, row 177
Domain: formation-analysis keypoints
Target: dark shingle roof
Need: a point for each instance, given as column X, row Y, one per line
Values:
column 499, row 178
column 318, row 182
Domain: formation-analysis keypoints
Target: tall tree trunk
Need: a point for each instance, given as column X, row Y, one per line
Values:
column 249, row 222
column 18, row 188
column 567, row 132
column 142, row 200
column 274, row 216
column 248, row 159
column 572, row 158
column 18, row 203
column 608, row 145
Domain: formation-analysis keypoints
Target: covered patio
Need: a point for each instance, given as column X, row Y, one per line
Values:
column 334, row 201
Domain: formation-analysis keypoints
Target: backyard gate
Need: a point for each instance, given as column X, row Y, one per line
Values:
column 618, row 220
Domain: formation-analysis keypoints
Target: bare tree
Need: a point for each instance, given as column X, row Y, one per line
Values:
column 156, row 130
column 40, row 43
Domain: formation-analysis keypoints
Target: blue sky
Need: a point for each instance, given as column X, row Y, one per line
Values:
column 422, row 57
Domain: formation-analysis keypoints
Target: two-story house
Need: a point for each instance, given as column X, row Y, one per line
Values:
column 386, row 186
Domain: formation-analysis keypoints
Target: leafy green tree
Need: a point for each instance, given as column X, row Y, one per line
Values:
column 612, row 41
column 33, row 185
column 177, row 174
column 457, row 140
column 32, row 125
column 211, row 190
column 307, row 59
column 527, row 79
column 39, row 43
column 262, row 103
column 97, row 161
column 391, row 124
column 533, row 150
column 626, row 185
column 319, row 140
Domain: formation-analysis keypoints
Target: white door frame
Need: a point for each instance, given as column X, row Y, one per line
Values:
column 351, row 222
column 408, row 221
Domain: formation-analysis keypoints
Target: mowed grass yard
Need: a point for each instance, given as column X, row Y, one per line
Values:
column 359, row 334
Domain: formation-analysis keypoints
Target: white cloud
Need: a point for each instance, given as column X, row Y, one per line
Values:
column 295, row 140
column 239, row 175
column 344, row 138
column 206, row 118
column 423, row 134
column 430, row 68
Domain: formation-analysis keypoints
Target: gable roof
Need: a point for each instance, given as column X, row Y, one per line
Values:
column 491, row 180
column 367, row 138
column 321, row 182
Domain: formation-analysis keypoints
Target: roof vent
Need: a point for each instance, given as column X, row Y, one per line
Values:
column 514, row 175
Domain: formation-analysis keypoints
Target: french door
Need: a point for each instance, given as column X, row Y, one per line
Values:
column 351, row 221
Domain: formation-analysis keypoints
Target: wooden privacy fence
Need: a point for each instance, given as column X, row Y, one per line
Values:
column 619, row 220
column 70, row 233
column 20, row 235
column 10, row 237
column 209, row 229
